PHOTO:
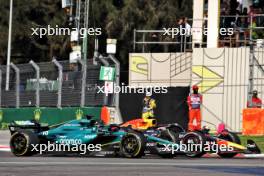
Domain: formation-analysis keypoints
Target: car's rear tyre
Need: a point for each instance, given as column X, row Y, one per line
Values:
column 232, row 137
column 22, row 141
column 133, row 145
column 195, row 142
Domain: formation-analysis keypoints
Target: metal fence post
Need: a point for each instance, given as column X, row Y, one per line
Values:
column 181, row 43
column 60, row 68
column 251, row 71
column 251, row 28
column 143, row 46
column 84, row 70
column 36, row 67
column 134, row 40
column 117, row 80
column 17, row 84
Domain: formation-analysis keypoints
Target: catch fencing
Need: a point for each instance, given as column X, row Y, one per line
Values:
column 51, row 84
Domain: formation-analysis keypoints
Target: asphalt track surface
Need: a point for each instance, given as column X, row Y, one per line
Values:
column 75, row 165
column 100, row 166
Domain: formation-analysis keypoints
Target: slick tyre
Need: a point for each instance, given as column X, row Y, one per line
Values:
column 21, row 143
column 195, row 142
column 232, row 137
column 133, row 145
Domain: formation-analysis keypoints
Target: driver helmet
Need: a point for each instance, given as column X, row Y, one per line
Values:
column 148, row 94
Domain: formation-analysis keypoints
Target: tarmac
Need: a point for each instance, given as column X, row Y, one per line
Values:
column 68, row 165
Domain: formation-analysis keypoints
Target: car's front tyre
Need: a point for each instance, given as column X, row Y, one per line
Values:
column 195, row 142
column 22, row 141
column 133, row 145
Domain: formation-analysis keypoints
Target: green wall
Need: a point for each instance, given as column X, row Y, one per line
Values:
column 47, row 115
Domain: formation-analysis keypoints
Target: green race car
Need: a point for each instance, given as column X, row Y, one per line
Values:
column 88, row 136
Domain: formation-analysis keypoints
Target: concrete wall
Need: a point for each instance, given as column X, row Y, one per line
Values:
column 221, row 73
column 159, row 69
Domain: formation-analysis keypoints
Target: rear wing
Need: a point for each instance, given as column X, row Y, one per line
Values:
column 27, row 124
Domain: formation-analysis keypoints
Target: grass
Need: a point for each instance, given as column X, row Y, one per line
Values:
column 258, row 139
column 4, row 126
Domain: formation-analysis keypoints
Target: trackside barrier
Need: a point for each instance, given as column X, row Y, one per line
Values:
column 253, row 121
column 51, row 116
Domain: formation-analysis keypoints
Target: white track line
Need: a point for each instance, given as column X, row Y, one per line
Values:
column 254, row 155
column 4, row 150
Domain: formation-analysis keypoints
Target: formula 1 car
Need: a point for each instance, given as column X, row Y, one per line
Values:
column 29, row 137
column 226, row 144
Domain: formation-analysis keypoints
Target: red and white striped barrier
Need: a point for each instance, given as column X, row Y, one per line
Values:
column 4, row 148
